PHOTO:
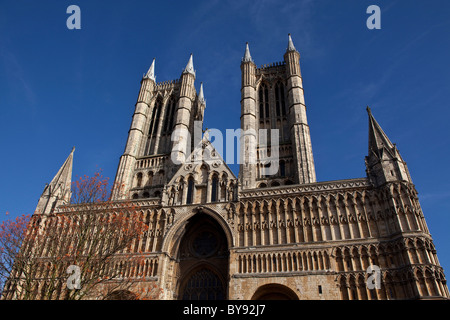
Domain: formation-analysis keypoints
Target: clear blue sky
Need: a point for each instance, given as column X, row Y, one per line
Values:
column 61, row 88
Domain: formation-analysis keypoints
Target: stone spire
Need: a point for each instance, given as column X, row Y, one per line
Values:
column 190, row 66
column 247, row 56
column 384, row 162
column 151, row 72
column 201, row 96
column 58, row 191
column 377, row 138
column 290, row 44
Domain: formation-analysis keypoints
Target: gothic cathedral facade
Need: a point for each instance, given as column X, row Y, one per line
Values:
column 283, row 235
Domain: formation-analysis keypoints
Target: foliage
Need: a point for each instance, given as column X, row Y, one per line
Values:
column 93, row 233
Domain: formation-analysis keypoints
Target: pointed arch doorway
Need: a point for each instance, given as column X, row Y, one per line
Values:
column 203, row 260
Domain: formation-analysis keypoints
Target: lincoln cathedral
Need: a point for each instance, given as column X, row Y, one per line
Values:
column 214, row 235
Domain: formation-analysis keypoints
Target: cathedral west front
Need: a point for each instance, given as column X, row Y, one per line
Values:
column 264, row 234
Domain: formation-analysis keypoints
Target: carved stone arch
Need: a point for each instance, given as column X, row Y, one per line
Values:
column 265, row 204
column 201, row 165
column 387, row 276
column 350, row 196
column 170, row 244
column 358, row 194
column 179, row 179
column 307, row 202
column 373, row 250
column 223, row 175
column 336, row 252
column 167, row 94
column 323, row 200
column 341, row 198
column 279, row 79
column 331, row 197
column 431, row 245
column 361, row 278
column 161, row 214
column 258, row 205
column 410, row 243
column 419, row 243
column 280, row 203
column 364, row 249
column 273, row 203
column 315, row 199
column 262, row 80
column 355, row 251
column 274, row 291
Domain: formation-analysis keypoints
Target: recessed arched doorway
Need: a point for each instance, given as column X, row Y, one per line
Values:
column 274, row 291
column 203, row 260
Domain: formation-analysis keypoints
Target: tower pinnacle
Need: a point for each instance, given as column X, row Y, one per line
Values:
column 201, row 96
column 190, row 66
column 58, row 191
column 377, row 138
column 290, row 44
column 384, row 162
column 151, row 72
column 247, row 56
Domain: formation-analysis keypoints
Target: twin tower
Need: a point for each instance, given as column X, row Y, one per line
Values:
column 272, row 98
column 168, row 114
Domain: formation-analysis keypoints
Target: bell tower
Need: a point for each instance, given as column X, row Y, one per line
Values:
column 162, row 111
column 274, row 124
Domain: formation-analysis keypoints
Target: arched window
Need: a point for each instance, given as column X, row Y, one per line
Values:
column 154, row 122
column 155, row 117
column 214, row 188
column 190, row 191
column 150, row 178
column 279, row 100
column 282, row 168
column 204, row 285
column 139, row 179
column 263, row 102
column 168, row 123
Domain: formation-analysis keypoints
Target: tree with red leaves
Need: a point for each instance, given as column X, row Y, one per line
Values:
column 81, row 251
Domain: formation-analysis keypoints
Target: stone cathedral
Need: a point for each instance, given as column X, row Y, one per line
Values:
column 215, row 235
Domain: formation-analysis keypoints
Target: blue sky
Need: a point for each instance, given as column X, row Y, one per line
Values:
column 61, row 88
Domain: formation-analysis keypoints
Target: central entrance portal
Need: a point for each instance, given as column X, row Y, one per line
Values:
column 203, row 260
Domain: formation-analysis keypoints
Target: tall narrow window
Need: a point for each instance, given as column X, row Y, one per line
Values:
column 263, row 95
column 261, row 103
column 282, row 168
column 190, row 191
column 283, row 104
column 214, row 188
column 154, row 118
column 277, row 100
column 168, row 121
column 266, row 101
column 139, row 180
column 158, row 114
